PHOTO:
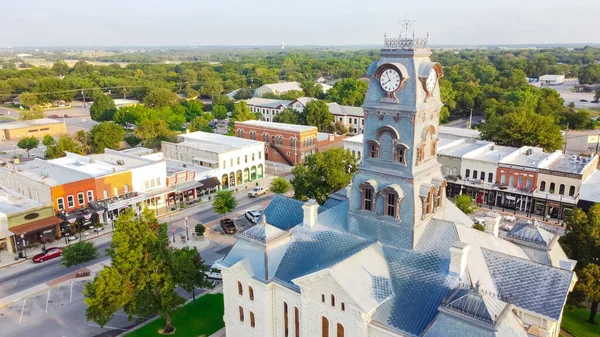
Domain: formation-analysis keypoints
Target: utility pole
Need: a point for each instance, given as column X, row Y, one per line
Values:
column 124, row 93
column 83, row 94
column 566, row 135
column 597, row 142
column 470, row 119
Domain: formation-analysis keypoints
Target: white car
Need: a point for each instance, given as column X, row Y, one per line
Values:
column 252, row 215
column 215, row 271
column 258, row 191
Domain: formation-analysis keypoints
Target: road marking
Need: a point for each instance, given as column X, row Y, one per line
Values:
column 71, row 296
column 47, row 300
column 21, row 317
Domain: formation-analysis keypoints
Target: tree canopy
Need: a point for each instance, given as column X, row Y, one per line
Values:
column 160, row 97
column 28, row 143
column 106, row 135
column 78, row 253
column 64, row 144
column 322, row 174
column 317, row 114
column 224, row 202
column 103, row 108
column 348, row 91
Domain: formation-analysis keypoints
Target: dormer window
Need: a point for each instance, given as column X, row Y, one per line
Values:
column 392, row 195
column 368, row 199
column 373, row 149
column 391, row 201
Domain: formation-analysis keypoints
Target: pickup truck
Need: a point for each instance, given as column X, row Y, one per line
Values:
column 257, row 191
column 228, row 226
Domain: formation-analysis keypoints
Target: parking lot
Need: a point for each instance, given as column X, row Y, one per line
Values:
column 52, row 312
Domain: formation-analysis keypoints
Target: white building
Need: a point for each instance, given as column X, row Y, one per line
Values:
column 355, row 145
column 552, row 79
column 389, row 256
column 351, row 116
column 283, row 87
column 232, row 160
column 268, row 108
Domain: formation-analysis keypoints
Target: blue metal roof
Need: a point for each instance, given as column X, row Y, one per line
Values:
column 529, row 285
column 284, row 213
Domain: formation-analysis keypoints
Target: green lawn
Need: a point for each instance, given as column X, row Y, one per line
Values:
column 193, row 320
column 575, row 322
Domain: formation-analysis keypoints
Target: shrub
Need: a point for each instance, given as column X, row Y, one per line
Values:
column 280, row 185
column 479, row 227
column 199, row 229
column 77, row 253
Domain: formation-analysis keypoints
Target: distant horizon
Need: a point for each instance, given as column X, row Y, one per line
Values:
column 60, row 23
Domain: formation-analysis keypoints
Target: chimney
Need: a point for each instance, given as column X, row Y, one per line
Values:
column 492, row 223
column 311, row 208
column 458, row 259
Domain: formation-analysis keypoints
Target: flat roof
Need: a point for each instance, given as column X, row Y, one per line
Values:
column 49, row 173
column 492, row 154
column 279, row 126
column 117, row 158
column 12, row 202
column 589, row 190
column 213, row 142
column 29, row 123
column 355, row 139
column 458, row 132
column 174, row 166
column 569, row 163
column 87, row 165
column 463, row 148
column 138, row 151
column 535, row 159
column 267, row 102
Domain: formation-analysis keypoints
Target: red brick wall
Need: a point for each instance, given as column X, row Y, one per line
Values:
column 516, row 173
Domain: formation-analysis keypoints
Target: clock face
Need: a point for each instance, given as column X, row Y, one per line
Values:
column 431, row 81
column 390, row 80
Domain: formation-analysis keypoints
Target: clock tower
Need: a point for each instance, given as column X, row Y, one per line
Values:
column 399, row 186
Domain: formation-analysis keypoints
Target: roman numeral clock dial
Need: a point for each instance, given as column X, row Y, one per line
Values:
column 390, row 80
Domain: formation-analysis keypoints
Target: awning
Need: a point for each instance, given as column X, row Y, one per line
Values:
column 209, row 183
column 36, row 225
column 187, row 186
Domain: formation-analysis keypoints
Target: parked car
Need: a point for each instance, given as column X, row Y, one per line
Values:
column 215, row 271
column 583, row 100
column 258, row 191
column 53, row 116
column 228, row 226
column 48, row 255
column 252, row 215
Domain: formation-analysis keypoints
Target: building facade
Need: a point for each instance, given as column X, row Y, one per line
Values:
column 37, row 128
column 283, row 143
column 388, row 255
column 234, row 161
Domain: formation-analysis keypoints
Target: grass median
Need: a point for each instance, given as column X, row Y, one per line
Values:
column 192, row 320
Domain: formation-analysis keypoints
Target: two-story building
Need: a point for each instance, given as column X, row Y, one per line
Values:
column 284, row 143
column 233, row 160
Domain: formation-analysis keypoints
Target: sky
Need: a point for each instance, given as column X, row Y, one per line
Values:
column 297, row 23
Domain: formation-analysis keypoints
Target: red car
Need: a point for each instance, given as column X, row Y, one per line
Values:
column 50, row 254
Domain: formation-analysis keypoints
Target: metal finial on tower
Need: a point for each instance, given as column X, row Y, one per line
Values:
column 406, row 40
column 406, row 28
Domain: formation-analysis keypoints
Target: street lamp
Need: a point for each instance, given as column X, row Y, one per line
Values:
column 187, row 229
column 23, row 246
column 43, row 243
column 14, row 150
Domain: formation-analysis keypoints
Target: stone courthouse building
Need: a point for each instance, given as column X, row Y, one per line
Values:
column 390, row 255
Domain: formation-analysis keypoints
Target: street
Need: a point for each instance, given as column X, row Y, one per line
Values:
column 60, row 311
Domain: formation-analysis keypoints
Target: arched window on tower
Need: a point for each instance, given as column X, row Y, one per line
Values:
column 392, row 195
column 400, row 153
column 552, row 187
column 368, row 190
column 373, row 148
column 542, row 186
column 572, row 191
column 561, row 189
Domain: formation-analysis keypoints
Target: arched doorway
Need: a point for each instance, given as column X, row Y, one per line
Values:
column 253, row 173
column 224, row 181
column 231, row 179
column 246, row 175
column 238, row 178
column 260, row 171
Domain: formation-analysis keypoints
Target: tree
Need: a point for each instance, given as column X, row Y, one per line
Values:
column 224, row 202
column 312, row 89
column 143, row 275
column 219, row 112
column 479, row 227
column 522, row 128
column 241, row 112
column 193, row 109
column 189, row 271
column 590, row 74
column 132, row 140
column 85, row 139
column 348, row 91
column 201, row 124
column 581, row 241
column 160, row 97
column 280, row 185
column 244, row 93
column 318, row 114
column 106, row 135
column 63, row 145
column 190, row 92
column 28, row 115
column 48, row 140
column 464, row 203
column 131, row 115
column 151, row 130
column 287, row 116
column 60, row 68
column 322, row 174
column 340, row 128
column 103, row 109
column 77, row 253
column 292, row 95
column 28, row 100
column 28, row 143
column 51, row 89
column 589, row 283
column 199, row 229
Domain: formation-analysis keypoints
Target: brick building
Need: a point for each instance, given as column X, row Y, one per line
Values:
column 285, row 143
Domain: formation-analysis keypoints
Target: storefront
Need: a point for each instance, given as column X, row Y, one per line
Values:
column 208, row 186
column 82, row 219
column 34, row 227
column 117, row 205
